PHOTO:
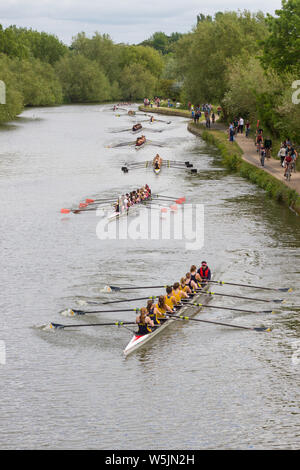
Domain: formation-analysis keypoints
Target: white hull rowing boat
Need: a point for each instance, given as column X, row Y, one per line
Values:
column 139, row 341
column 156, row 170
column 130, row 210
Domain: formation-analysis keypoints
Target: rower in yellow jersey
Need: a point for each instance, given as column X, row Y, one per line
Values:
column 184, row 286
column 162, row 308
column 177, row 293
column 169, row 298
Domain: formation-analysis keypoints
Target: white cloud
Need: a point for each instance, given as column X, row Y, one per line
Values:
column 130, row 22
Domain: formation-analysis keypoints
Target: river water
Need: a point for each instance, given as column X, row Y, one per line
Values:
column 196, row 386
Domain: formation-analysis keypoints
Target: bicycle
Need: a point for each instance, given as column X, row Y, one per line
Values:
column 262, row 157
column 268, row 152
column 288, row 173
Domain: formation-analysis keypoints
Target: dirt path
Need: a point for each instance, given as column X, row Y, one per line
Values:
column 272, row 165
column 250, row 155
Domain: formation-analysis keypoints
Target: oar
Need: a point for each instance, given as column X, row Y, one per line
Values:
column 168, row 197
column 116, row 288
column 116, row 323
column 230, row 308
column 276, row 301
column 121, row 301
column 278, row 289
column 222, row 324
column 84, row 312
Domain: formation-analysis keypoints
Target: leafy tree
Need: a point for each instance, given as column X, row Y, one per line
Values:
column 82, row 80
column 137, row 82
column 282, row 47
column 205, row 55
column 14, row 99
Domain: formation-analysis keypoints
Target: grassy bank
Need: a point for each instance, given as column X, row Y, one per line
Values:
column 167, row 111
column 232, row 158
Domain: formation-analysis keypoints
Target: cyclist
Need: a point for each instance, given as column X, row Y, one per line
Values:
column 287, row 163
column 294, row 156
column 259, row 139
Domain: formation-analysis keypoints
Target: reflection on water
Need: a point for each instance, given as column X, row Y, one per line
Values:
column 73, row 388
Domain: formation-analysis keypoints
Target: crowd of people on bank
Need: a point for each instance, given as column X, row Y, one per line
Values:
column 287, row 153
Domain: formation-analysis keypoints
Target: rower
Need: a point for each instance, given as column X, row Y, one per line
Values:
column 195, row 276
column 153, row 312
column 189, row 282
column 169, row 298
column 144, row 322
column 177, row 293
column 204, row 272
column 162, row 308
column 184, row 286
column 117, row 206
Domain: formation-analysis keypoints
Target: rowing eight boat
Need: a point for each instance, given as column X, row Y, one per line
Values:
column 130, row 209
column 138, row 341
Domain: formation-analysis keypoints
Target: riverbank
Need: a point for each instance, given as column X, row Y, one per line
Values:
column 167, row 111
column 241, row 157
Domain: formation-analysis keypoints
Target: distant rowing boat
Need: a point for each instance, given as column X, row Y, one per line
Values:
column 139, row 341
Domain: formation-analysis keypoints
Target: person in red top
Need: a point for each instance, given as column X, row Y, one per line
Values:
column 287, row 161
column 204, row 272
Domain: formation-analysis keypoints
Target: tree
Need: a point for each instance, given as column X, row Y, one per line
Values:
column 137, row 82
column 205, row 55
column 282, row 47
column 82, row 80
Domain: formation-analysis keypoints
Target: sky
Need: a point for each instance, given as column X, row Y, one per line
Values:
column 130, row 21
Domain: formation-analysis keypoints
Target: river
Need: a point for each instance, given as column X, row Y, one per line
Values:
column 196, row 386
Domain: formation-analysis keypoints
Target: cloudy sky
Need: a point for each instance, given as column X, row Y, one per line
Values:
column 129, row 21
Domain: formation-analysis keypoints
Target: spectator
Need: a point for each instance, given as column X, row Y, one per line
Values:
column 282, row 154
column 241, row 125
column 247, row 128
column 231, row 132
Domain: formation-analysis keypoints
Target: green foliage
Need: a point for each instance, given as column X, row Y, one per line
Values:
column 161, row 42
column 82, row 80
column 206, row 55
column 14, row 99
column 282, row 47
column 26, row 43
column 137, row 82
column 37, row 82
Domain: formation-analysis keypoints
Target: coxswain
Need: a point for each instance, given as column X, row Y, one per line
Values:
column 204, row 272
column 144, row 322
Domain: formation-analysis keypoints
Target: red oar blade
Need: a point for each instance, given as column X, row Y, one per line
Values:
column 65, row 211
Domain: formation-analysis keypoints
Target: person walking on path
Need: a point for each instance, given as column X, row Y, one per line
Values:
column 247, row 128
column 241, row 125
column 231, row 132
column 281, row 154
